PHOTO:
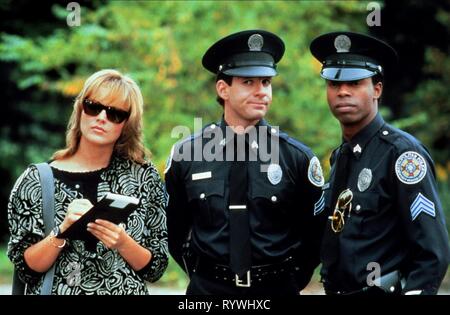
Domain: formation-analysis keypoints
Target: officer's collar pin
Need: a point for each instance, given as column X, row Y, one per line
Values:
column 255, row 42
column 357, row 148
column 342, row 43
column 385, row 132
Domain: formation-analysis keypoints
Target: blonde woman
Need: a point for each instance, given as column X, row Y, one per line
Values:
column 104, row 153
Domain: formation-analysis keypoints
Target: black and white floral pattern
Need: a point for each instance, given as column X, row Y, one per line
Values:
column 103, row 271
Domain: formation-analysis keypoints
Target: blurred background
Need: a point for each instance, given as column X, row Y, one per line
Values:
column 44, row 62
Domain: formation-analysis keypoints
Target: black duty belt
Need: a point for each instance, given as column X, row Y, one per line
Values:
column 388, row 284
column 256, row 274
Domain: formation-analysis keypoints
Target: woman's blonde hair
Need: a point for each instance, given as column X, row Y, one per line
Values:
column 130, row 143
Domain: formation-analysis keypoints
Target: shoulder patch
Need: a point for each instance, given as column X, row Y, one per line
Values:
column 410, row 167
column 315, row 174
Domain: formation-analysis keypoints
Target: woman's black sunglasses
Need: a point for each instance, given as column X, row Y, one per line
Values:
column 114, row 115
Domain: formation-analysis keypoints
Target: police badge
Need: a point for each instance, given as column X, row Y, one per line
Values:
column 274, row 174
column 364, row 179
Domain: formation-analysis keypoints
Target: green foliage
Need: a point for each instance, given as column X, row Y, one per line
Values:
column 6, row 267
column 160, row 44
column 431, row 102
column 174, row 277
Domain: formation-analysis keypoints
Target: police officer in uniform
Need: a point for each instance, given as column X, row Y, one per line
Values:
column 386, row 232
column 252, row 224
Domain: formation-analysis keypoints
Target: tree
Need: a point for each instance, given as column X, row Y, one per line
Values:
column 160, row 44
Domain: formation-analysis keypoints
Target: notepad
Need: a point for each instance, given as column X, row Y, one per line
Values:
column 112, row 207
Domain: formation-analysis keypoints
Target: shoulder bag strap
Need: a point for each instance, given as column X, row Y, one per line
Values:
column 48, row 205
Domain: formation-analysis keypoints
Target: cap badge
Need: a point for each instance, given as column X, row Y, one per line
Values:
column 342, row 43
column 255, row 42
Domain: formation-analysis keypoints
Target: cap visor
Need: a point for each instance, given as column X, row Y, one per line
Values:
column 255, row 71
column 346, row 74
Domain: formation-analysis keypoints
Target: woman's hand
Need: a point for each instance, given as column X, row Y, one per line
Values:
column 115, row 237
column 110, row 234
column 75, row 210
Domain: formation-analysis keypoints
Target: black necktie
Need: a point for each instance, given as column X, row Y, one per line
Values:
column 330, row 249
column 341, row 173
column 240, row 249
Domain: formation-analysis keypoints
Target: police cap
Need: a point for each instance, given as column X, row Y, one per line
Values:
column 251, row 53
column 348, row 56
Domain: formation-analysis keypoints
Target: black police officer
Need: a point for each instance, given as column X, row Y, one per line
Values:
column 386, row 232
column 251, row 207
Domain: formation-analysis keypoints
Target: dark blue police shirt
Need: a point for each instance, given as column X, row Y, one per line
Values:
column 397, row 221
column 286, row 219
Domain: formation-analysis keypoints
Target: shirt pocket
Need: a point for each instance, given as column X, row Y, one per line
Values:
column 204, row 197
column 277, row 198
column 365, row 208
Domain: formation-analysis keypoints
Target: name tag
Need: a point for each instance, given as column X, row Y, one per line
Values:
column 204, row 175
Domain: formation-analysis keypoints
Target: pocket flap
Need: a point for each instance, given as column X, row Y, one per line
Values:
column 204, row 189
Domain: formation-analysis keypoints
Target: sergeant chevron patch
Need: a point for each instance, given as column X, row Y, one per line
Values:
column 422, row 204
column 319, row 205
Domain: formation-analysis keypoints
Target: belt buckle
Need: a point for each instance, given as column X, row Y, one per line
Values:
column 240, row 282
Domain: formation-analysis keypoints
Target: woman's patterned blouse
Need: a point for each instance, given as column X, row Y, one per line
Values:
column 101, row 271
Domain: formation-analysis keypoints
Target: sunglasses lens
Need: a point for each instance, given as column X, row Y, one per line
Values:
column 345, row 198
column 337, row 222
column 114, row 115
column 343, row 205
column 91, row 108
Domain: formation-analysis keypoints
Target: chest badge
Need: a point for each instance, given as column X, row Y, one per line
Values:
column 274, row 174
column 364, row 179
